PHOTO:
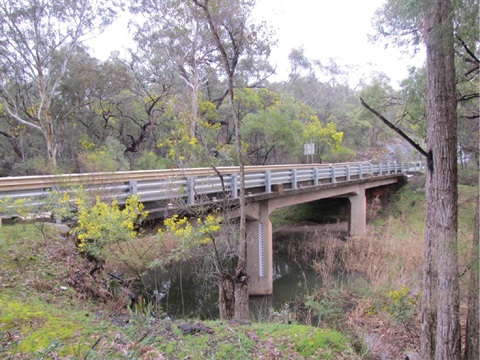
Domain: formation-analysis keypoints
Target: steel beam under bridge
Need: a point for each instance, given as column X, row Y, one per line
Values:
column 259, row 227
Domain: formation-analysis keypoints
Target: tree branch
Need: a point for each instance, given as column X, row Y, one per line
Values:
column 469, row 51
column 396, row 129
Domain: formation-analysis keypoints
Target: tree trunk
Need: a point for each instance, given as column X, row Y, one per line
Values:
column 440, row 306
column 472, row 345
column 46, row 122
column 229, row 64
column 241, row 286
column 226, row 298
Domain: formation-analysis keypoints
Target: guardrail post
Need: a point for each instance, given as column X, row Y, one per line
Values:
column 348, row 172
column 395, row 167
column 294, row 178
column 388, row 168
column 133, row 187
column 379, row 169
column 190, row 191
column 234, row 186
column 360, row 171
column 268, row 181
column 371, row 170
column 333, row 176
column 315, row 176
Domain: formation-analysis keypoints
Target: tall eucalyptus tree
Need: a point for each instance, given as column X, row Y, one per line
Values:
column 240, row 45
column 37, row 40
column 438, row 23
column 176, row 31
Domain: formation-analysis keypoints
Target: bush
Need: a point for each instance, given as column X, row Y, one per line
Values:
column 401, row 305
column 108, row 158
column 102, row 225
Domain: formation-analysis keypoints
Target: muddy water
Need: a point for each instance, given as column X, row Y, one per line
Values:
column 182, row 295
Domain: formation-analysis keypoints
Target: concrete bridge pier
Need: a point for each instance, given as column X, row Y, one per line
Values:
column 357, row 214
column 259, row 250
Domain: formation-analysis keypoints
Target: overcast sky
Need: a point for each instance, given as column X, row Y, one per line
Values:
column 324, row 28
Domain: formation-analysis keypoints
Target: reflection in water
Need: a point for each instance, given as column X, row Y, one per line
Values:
column 290, row 282
column 182, row 295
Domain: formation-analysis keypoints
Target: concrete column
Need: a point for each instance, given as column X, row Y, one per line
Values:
column 260, row 253
column 357, row 223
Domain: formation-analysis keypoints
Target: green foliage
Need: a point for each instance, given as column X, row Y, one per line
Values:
column 377, row 95
column 328, row 308
column 276, row 136
column 35, row 165
column 276, row 126
column 413, row 91
column 399, row 21
column 327, row 139
column 108, row 158
column 150, row 161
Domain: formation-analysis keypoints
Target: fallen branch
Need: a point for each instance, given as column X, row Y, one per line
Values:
column 93, row 346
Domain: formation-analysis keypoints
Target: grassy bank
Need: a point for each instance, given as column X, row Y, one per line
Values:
column 51, row 308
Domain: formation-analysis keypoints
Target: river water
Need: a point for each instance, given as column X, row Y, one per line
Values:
column 181, row 294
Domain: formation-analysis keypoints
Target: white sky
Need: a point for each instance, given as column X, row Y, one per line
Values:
column 326, row 29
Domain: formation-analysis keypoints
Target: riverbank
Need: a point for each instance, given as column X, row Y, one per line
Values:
column 51, row 308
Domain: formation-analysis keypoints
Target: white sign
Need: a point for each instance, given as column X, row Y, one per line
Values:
column 309, row 149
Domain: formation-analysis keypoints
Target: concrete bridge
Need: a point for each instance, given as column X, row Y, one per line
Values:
column 268, row 188
column 259, row 227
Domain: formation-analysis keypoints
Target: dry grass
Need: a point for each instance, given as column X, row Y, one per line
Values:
column 386, row 259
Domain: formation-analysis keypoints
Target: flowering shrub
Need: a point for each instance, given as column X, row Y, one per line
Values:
column 401, row 304
column 189, row 233
column 102, row 224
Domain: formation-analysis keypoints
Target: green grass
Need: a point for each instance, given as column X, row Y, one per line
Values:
column 308, row 342
column 42, row 328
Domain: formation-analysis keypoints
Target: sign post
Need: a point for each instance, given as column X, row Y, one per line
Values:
column 309, row 149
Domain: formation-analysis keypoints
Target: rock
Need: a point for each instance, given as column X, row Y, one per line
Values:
column 61, row 228
column 191, row 328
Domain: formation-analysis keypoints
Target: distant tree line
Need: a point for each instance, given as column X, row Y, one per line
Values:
column 166, row 103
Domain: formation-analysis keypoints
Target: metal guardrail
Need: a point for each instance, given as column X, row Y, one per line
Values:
column 158, row 185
